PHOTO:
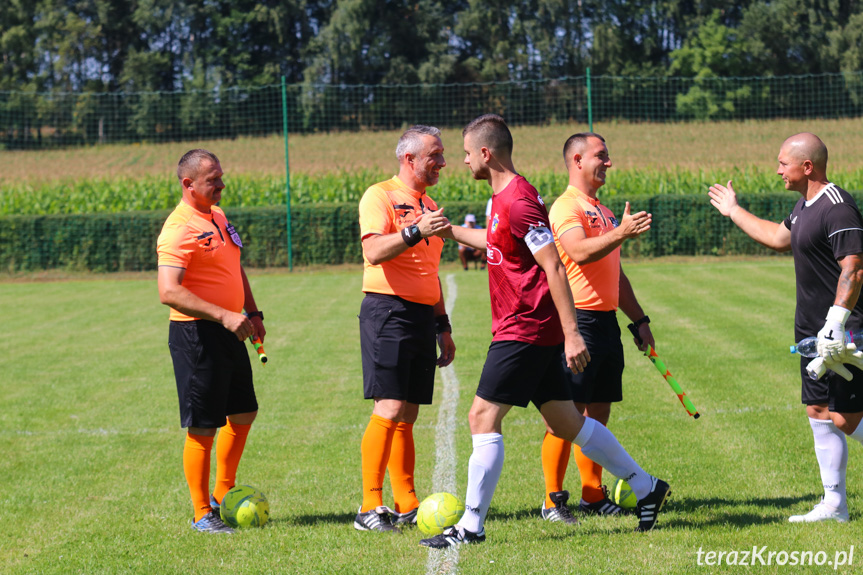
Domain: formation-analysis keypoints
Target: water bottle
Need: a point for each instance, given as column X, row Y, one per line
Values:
column 808, row 347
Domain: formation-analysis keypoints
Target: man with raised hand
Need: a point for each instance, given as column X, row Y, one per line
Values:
column 588, row 239
column 201, row 279
column 402, row 315
column 824, row 232
column 533, row 320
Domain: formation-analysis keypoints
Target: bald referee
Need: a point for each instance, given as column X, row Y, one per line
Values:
column 402, row 315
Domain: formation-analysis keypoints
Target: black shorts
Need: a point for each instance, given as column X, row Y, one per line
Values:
column 399, row 352
column 841, row 396
column 516, row 373
column 602, row 379
column 213, row 373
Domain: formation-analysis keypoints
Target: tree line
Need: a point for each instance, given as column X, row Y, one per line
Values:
column 108, row 46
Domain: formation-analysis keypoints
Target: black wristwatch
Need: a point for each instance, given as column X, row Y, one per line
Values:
column 637, row 322
column 258, row 313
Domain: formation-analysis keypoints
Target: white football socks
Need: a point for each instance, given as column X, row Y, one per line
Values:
column 600, row 445
column 483, row 473
column 831, row 450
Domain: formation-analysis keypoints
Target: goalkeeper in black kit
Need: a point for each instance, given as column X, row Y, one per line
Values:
column 825, row 234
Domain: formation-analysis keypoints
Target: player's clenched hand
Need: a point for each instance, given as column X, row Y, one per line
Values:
column 632, row 225
column 723, row 198
column 258, row 324
column 238, row 324
column 576, row 353
column 646, row 338
column 433, row 223
column 447, row 349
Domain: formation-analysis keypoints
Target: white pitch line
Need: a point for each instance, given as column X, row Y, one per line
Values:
column 446, row 561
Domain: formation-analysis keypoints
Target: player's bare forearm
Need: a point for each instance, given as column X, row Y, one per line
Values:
column 630, row 306
column 575, row 349
column 380, row 248
column 850, row 281
column 473, row 237
column 627, row 300
column 769, row 234
column 249, row 305
column 440, row 306
column 558, row 285
column 584, row 250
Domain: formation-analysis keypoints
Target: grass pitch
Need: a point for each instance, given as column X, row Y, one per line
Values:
column 91, row 445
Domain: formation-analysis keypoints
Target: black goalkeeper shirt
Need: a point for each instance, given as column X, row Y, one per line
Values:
column 823, row 231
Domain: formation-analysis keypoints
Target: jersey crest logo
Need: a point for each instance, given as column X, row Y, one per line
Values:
column 494, row 222
column 591, row 216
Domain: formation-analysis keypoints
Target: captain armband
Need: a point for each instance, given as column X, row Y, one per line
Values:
column 537, row 238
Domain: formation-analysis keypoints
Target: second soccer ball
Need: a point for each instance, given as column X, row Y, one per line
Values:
column 439, row 511
column 622, row 494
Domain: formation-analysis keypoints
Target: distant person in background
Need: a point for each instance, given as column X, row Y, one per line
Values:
column 588, row 239
column 468, row 254
column 402, row 315
column 824, row 232
column 201, row 279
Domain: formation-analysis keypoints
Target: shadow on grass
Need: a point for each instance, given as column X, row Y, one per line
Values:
column 317, row 519
column 692, row 513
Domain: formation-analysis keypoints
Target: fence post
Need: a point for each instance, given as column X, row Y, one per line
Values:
column 589, row 104
column 287, row 173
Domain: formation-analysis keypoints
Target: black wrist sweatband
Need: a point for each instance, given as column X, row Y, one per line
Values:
column 442, row 324
column 412, row 235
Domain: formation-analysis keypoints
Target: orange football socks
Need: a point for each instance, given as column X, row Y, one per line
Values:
column 591, row 476
column 555, row 459
column 401, row 467
column 196, row 465
column 229, row 450
column 375, row 450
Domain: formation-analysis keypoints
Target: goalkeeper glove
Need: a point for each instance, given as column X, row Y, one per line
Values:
column 831, row 338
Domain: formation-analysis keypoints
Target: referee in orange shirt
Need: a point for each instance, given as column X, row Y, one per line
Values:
column 402, row 314
column 588, row 238
column 201, row 279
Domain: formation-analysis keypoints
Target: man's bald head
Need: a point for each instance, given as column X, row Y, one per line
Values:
column 806, row 146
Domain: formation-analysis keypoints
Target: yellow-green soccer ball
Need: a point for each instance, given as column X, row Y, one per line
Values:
column 439, row 511
column 244, row 506
column 621, row 493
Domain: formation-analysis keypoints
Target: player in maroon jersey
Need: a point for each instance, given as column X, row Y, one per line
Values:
column 532, row 319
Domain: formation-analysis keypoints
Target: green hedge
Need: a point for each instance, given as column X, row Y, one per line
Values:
column 329, row 233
